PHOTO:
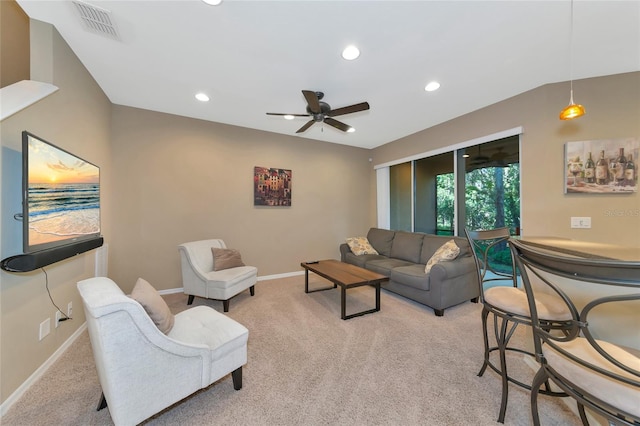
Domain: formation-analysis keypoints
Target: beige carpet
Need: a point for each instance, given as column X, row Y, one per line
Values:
column 402, row 365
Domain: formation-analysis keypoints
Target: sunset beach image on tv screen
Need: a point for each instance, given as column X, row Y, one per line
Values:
column 63, row 195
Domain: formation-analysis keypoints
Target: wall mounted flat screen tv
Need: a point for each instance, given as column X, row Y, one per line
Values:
column 61, row 196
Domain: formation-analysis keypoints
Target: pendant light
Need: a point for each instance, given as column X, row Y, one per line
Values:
column 573, row 110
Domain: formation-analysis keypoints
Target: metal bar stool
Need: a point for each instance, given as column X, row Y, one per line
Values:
column 586, row 361
column 508, row 306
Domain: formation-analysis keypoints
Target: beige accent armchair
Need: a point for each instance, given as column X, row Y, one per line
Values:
column 142, row 371
column 200, row 279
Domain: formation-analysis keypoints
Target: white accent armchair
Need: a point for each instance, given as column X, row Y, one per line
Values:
column 143, row 371
column 200, row 279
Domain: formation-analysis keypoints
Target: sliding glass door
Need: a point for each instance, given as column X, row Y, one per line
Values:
column 401, row 193
column 434, row 194
column 476, row 187
column 491, row 196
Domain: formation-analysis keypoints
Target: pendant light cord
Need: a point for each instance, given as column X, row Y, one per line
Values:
column 572, row 110
column 571, row 52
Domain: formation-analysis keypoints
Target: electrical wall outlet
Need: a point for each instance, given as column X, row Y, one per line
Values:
column 70, row 310
column 581, row 222
column 58, row 316
column 45, row 328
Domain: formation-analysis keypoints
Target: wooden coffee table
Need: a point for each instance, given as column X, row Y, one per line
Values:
column 346, row 276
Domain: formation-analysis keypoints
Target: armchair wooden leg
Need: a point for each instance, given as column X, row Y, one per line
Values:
column 252, row 290
column 236, row 375
column 225, row 305
column 190, row 301
column 438, row 312
column 102, row 404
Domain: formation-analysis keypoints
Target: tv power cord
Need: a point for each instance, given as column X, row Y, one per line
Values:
column 65, row 317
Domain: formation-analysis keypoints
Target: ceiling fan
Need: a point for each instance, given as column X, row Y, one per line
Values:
column 500, row 156
column 479, row 159
column 321, row 112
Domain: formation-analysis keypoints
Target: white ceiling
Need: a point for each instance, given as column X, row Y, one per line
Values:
column 253, row 57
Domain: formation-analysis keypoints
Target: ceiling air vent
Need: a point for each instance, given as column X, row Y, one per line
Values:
column 97, row 20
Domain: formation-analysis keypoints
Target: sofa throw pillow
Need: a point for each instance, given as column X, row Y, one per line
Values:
column 448, row 251
column 226, row 258
column 154, row 305
column 360, row 245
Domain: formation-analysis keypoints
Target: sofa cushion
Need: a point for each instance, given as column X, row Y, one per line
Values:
column 463, row 243
column 154, row 305
column 407, row 246
column 360, row 246
column 447, row 252
column 226, row 259
column 381, row 240
column 411, row 276
column 465, row 248
column 431, row 243
column 385, row 265
column 361, row 260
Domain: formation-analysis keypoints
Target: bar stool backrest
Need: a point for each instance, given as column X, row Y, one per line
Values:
column 483, row 244
column 586, row 363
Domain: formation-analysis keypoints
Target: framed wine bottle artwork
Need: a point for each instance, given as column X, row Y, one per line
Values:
column 601, row 166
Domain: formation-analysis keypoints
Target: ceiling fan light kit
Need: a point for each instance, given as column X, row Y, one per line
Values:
column 321, row 112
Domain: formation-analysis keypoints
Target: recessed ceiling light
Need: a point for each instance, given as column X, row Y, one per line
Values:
column 434, row 85
column 212, row 2
column 289, row 117
column 351, row 130
column 350, row 53
column 202, row 97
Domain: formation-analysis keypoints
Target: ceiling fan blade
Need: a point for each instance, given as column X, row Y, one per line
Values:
column 337, row 124
column 306, row 126
column 362, row 106
column 312, row 101
column 283, row 114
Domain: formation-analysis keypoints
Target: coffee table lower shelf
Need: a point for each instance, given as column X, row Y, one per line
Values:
column 345, row 276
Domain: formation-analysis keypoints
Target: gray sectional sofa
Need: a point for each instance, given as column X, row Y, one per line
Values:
column 403, row 256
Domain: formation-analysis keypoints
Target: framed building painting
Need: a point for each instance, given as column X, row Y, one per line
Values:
column 271, row 187
column 601, row 166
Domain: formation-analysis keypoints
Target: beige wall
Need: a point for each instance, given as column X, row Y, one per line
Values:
column 613, row 111
column 168, row 179
column 181, row 179
column 76, row 118
column 14, row 37
column 173, row 180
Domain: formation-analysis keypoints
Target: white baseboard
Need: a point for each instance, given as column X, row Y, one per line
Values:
column 263, row 278
column 278, row 276
column 40, row 371
column 171, row 291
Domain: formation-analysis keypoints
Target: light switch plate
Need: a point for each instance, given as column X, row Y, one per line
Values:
column 581, row 222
